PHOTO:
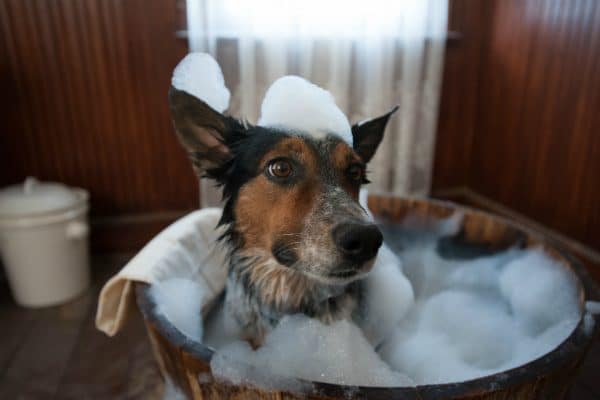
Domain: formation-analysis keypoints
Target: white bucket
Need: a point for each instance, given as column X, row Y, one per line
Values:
column 44, row 242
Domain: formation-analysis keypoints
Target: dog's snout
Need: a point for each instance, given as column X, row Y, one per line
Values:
column 356, row 241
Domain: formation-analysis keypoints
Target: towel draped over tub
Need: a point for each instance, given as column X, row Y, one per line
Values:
column 189, row 249
column 186, row 249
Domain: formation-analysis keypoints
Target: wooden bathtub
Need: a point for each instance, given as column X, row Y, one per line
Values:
column 182, row 361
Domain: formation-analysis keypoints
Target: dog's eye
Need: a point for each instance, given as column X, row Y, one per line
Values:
column 356, row 173
column 279, row 169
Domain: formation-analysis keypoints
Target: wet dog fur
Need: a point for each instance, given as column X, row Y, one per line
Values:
column 298, row 240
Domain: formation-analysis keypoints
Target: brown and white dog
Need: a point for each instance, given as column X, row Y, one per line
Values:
column 299, row 240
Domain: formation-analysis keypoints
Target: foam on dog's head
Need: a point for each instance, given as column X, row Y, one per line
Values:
column 291, row 102
column 294, row 103
column 199, row 75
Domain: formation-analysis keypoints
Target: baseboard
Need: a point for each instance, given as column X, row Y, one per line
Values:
column 129, row 233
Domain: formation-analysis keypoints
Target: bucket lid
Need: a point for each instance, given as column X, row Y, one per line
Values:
column 34, row 197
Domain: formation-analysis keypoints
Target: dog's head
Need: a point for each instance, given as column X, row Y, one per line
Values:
column 291, row 197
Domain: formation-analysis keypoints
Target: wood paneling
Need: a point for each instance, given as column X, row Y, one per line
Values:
column 458, row 103
column 83, row 101
column 524, row 128
column 123, row 234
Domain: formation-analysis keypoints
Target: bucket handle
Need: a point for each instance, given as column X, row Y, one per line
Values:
column 76, row 230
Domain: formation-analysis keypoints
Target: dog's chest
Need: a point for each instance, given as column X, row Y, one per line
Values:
column 257, row 307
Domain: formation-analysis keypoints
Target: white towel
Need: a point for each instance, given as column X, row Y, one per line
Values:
column 186, row 249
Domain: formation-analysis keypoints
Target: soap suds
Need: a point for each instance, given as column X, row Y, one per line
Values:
column 389, row 296
column 473, row 317
column 291, row 102
column 302, row 347
column 538, row 290
column 199, row 75
column 294, row 103
column 180, row 301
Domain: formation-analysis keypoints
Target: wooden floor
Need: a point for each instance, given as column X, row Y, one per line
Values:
column 57, row 353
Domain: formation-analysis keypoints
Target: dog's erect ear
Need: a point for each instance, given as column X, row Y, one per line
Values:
column 367, row 135
column 203, row 131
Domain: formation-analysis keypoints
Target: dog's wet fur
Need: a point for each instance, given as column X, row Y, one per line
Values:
column 299, row 241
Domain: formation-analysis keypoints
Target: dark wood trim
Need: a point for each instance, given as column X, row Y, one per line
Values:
column 83, row 101
column 129, row 233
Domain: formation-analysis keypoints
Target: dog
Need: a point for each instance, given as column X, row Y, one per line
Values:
column 298, row 239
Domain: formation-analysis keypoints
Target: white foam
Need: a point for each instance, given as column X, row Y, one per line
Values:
column 389, row 296
column 293, row 102
column 540, row 291
column 528, row 348
column 172, row 392
column 430, row 357
column 302, row 347
column 589, row 323
column 479, row 317
column 453, row 336
column 199, row 75
column 180, row 301
column 220, row 328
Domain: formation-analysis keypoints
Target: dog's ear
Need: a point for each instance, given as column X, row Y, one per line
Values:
column 367, row 135
column 203, row 131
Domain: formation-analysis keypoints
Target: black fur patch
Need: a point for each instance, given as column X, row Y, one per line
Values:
column 248, row 145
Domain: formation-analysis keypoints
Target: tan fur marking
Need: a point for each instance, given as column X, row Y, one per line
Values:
column 265, row 210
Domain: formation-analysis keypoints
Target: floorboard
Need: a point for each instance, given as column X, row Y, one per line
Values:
column 38, row 363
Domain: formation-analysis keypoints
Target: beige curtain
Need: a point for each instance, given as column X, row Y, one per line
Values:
column 371, row 55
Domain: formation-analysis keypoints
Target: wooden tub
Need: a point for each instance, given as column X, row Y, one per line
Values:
column 183, row 362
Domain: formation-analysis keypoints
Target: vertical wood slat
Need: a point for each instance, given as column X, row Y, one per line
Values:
column 519, row 116
column 84, row 101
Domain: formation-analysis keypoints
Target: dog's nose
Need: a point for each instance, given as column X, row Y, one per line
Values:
column 356, row 241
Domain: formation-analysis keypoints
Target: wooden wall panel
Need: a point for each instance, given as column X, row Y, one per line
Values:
column 530, row 134
column 83, row 101
column 458, row 104
column 540, row 114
